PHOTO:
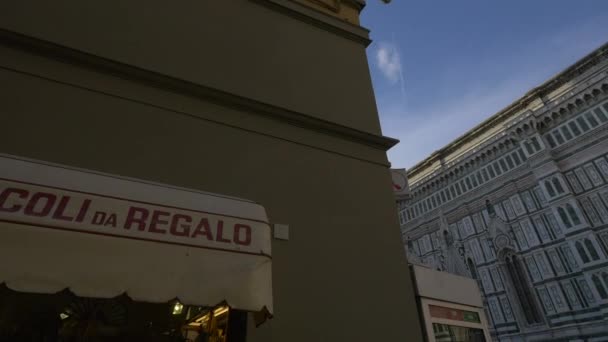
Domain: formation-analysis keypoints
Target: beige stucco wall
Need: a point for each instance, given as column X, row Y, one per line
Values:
column 342, row 276
column 237, row 46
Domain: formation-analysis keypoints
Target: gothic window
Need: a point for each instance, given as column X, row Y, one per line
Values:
column 599, row 286
column 574, row 128
column 503, row 165
column 581, row 251
column 582, row 123
column 522, row 154
column 558, row 186
column 558, row 136
column 600, row 114
column 510, row 161
column 549, row 138
column 566, row 132
column 549, row 188
column 564, row 217
column 497, row 169
column 573, row 214
column 479, row 179
column 604, row 237
column 528, row 147
column 591, row 119
column 592, row 250
column 535, row 143
column 524, row 293
column 516, row 158
column 492, row 174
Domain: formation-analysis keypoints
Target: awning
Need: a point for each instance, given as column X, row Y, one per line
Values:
column 103, row 236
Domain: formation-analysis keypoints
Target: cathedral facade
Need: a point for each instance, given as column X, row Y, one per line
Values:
column 520, row 203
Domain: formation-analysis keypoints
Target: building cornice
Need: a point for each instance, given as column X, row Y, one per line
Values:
column 320, row 19
column 176, row 85
column 521, row 104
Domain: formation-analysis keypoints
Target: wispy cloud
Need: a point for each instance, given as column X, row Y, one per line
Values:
column 433, row 125
column 388, row 61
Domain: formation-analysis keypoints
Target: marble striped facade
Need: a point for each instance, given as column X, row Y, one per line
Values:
column 540, row 170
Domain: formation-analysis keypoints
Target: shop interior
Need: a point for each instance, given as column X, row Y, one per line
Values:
column 64, row 317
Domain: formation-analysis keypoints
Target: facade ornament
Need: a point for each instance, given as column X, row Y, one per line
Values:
column 454, row 255
column 498, row 229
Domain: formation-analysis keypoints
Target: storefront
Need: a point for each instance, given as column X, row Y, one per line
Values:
column 90, row 255
column 267, row 100
column 451, row 307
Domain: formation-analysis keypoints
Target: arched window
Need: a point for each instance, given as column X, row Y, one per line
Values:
column 581, row 252
column 522, row 289
column 592, row 250
column 549, row 188
column 558, row 186
column 599, row 286
column 564, row 217
column 573, row 214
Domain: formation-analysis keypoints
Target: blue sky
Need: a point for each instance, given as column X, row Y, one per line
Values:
column 441, row 67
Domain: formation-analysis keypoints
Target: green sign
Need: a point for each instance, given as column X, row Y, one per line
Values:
column 471, row 317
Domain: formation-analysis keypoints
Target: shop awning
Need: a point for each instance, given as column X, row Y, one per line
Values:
column 103, row 236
